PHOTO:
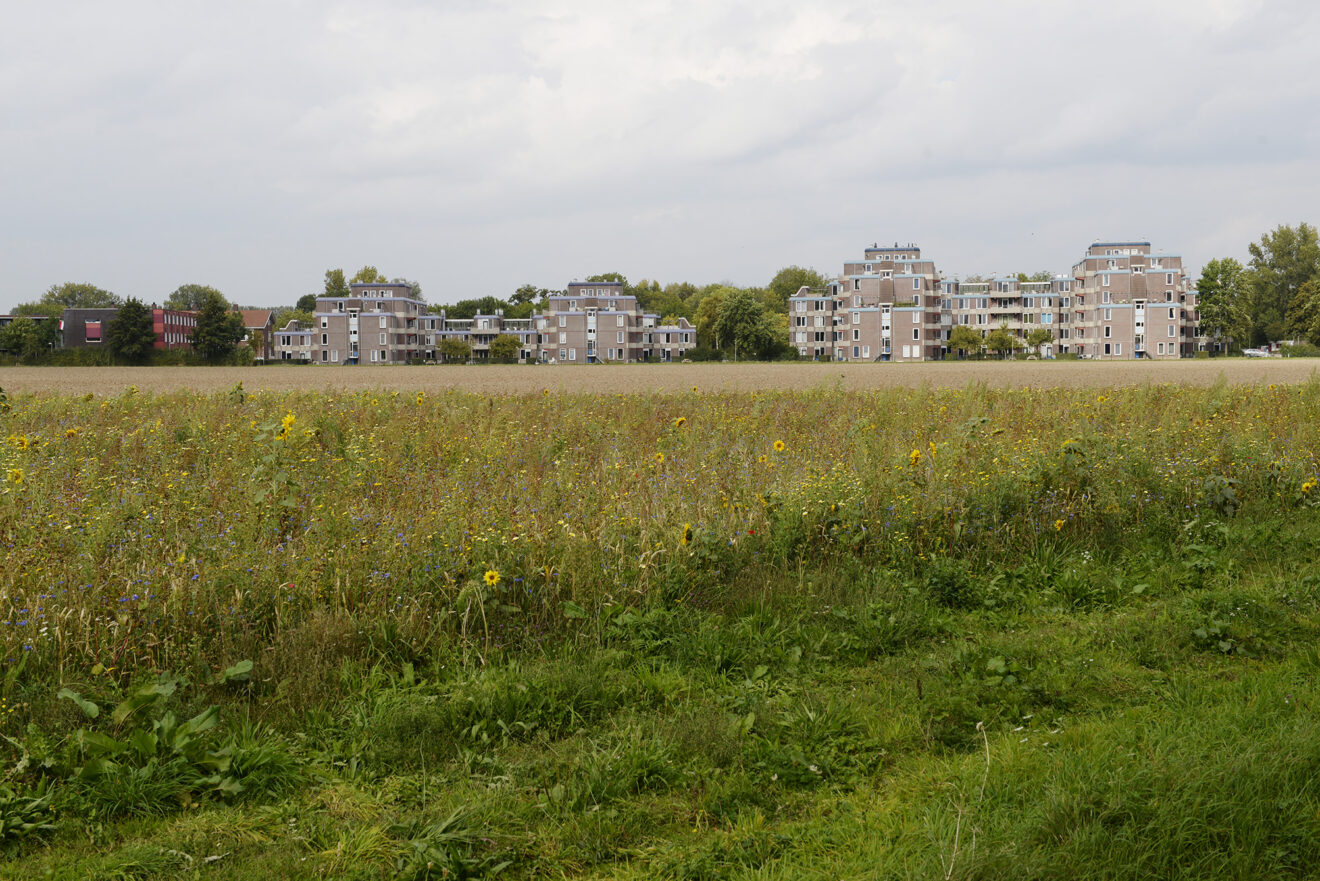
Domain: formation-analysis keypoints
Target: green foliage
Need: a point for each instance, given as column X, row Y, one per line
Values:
column 789, row 280
column 368, row 275
column 1281, row 263
column 131, row 334
column 965, row 339
column 454, row 350
column 218, row 330
column 74, row 295
column 1223, row 300
column 28, row 338
column 191, row 297
column 504, row 349
column 1001, row 340
column 335, row 285
column 306, row 304
column 25, row 815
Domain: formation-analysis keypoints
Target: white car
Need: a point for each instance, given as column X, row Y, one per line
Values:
column 1256, row 353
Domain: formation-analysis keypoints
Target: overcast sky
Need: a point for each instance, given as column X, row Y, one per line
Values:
column 477, row 146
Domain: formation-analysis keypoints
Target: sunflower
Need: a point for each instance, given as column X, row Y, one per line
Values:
column 687, row 534
column 680, row 422
column 1059, row 524
column 779, row 446
column 492, row 577
column 15, row 475
column 659, row 458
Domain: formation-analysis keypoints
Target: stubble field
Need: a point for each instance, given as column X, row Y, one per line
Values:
column 623, row 379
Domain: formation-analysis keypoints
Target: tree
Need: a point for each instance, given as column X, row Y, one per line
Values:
column 1223, row 296
column 1039, row 337
column 706, row 314
column 218, row 330
column 610, row 276
column 1043, row 275
column 742, row 321
column 306, row 303
column 78, row 295
column 453, row 349
column 335, row 286
column 528, row 293
column 22, row 337
column 1304, row 313
column 131, row 335
column 965, row 339
column 789, row 280
column 189, row 296
column 1281, row 262
column 504, row 349
column 368, row 275
column 1001, row 340
column 284, row 316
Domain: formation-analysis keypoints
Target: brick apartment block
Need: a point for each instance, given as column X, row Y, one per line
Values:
column 1120, row 301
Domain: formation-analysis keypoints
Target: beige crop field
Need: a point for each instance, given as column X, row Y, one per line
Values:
column 613, row 379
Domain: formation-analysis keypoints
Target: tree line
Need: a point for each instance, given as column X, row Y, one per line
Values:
column 1276, row 296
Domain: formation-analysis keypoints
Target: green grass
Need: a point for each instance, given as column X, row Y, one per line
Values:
column 1063, row 634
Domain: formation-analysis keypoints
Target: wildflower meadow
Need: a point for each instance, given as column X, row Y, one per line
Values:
column 904, row 632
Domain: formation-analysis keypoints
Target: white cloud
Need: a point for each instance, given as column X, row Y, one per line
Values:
column 475, row 146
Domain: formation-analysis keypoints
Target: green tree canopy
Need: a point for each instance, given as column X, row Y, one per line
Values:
column 1039, row 337
column 789, row 280
column 1001, row 340
column 218, row 330
column 131, row 336
column 1304, row 313
column 190, row 296
column 306, row 303
column 1281, row 262
column 79, row 295
column 1223, row 298
column 26, row 337
column 335, row 286
column 414, row 288
column 964, row 338
column 743, row 323
column 454, row 350
column 504, row 349
column 368, row 275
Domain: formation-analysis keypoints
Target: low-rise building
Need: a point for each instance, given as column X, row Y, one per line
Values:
column 293, row 342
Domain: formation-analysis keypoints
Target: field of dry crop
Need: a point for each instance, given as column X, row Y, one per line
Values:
column 618, row 379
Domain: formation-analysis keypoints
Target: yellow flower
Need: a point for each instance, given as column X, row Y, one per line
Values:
column 492, row 577
column 287, row 422
column 680, row 422
column 71, row 432
column 1059, row 524
column 1308, row 486
column 761, row 458
column 15, row 475
column 687, row 533
column 931, row 446
column 779, row 446
column 694, row 388
column 20, row 440
column 420, row 397
column 914, row 457
column 659, row 458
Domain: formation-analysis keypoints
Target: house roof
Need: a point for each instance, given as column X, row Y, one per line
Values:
column 256, row 318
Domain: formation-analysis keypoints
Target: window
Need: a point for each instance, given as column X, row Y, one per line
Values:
column 856, row 352
column 618, row 322
column 325, row 356
column 325, row 339
column 618, row 337
column 563, row 354
column 563, row 320
column 916, row 333
column 857, row 318
column 572, row 354
column 1104, row 296
column 1172, row 330
column 1108, row 331
column 382, row 339
column 916, row 284
column 857, row 334
column 93, row 329
column 868, row 267
column 1171, row 315
column 1107, row 352
column 1160, row 348
column 916, row 316
column 1118, row 348
column 572, row 304
column 1109, row 314
column 373, row 354
column 1168, row 278
column 325, row 322
column 801, row 305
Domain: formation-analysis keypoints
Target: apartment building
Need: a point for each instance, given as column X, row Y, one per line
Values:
column 887, row 306
column 1130, row 302
column 374, row 324
column 1121, row 300
column 478, row 332
column 595, row 322
column 293, row 342
column 174, row 327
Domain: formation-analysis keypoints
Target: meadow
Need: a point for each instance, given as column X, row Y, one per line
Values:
column 696, row 633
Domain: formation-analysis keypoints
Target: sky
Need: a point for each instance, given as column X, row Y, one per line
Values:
column 478, row 146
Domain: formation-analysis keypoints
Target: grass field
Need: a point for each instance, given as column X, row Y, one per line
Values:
column 633, row 378
column 688, row 632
